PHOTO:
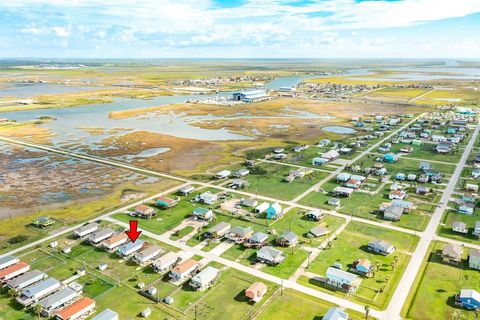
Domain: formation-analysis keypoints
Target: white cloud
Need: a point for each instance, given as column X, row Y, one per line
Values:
column 61, row 32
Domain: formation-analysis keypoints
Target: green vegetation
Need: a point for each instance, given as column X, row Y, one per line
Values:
column 437, row 286
column 351, row 245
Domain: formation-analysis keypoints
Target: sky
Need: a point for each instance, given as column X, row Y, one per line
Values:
column 240, row 29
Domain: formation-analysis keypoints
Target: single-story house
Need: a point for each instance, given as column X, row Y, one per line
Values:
column 287, row 239
column 452, row 253
column 460, row 227
column 79, row 309
column 400, row 176
column 106, row 314
column 342, row 191
column 380, row 246
column 239, row 234
column 261, row 208
column 147, row 254
column 115, row 241
column 184, row 269
column 37, row 291
column 390, row 157
column 315, row 215
column 392, row 213
column 165, row 262
column 411, row 177
column 421, row 190
column 335, row 313
column 218, row 231
column 166, row 202
column 249, row 202
column 100, row 235
column 397, row 195
column 342, row 280
column 334, row 202
column 318, row 231
column 224, row 174
column 274, row 211
column 425, row 166
column 405, row 205
column 205, row 279
column 43, row 222
column 57, row 300
column 26, row 279
column 258, row 239
column 474, row 259
column 476, row 229
column 331, row 155
column 466, row 208
column 363, row 266
column 186, row 190
column 208, row 198
column 319, row 161
column 202, row 214
column 256, row 291
column 343, row 177
column 86, row 229
column 144, row 211
column 130, row 248
column 242, row 173
column 471, row 187
column 469, row 299
column 270, row 255
column 7, row 261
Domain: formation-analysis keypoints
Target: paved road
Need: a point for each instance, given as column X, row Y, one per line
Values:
column 400, row 295
column 361, row 155
column 257, row 273
column 203, row 184
column 70, row 229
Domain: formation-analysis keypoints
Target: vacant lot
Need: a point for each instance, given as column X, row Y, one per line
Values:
column 437, row 286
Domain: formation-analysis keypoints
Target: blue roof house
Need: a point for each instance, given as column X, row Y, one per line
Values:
column 469, row 299
column 390, row 157
column 274, row 211
column 319, row 161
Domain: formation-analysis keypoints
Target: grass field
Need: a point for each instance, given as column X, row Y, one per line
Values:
column 450, row 216
column 350, row 245
column 437, row 286
column 272, row 183
column 395, row 94
column 295, row 305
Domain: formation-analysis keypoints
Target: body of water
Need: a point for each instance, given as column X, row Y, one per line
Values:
column 339, row 130
column 28, row 90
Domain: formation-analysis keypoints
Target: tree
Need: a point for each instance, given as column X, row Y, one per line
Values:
column 12, row 293
column 367, row 311
column 394, row 262
column 37, row 308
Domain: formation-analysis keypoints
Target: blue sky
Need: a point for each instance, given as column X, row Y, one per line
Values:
column 240, row 28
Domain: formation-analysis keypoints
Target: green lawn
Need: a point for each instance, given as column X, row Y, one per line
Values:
column 350, row 245
column 437, row 286
column 450, row 216
column 294, row 305
column 427, row 152
column 272, row 183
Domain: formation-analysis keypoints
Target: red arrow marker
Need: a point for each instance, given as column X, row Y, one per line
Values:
column 133, row 233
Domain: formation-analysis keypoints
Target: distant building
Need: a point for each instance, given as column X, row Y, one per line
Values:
column 250, row 96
